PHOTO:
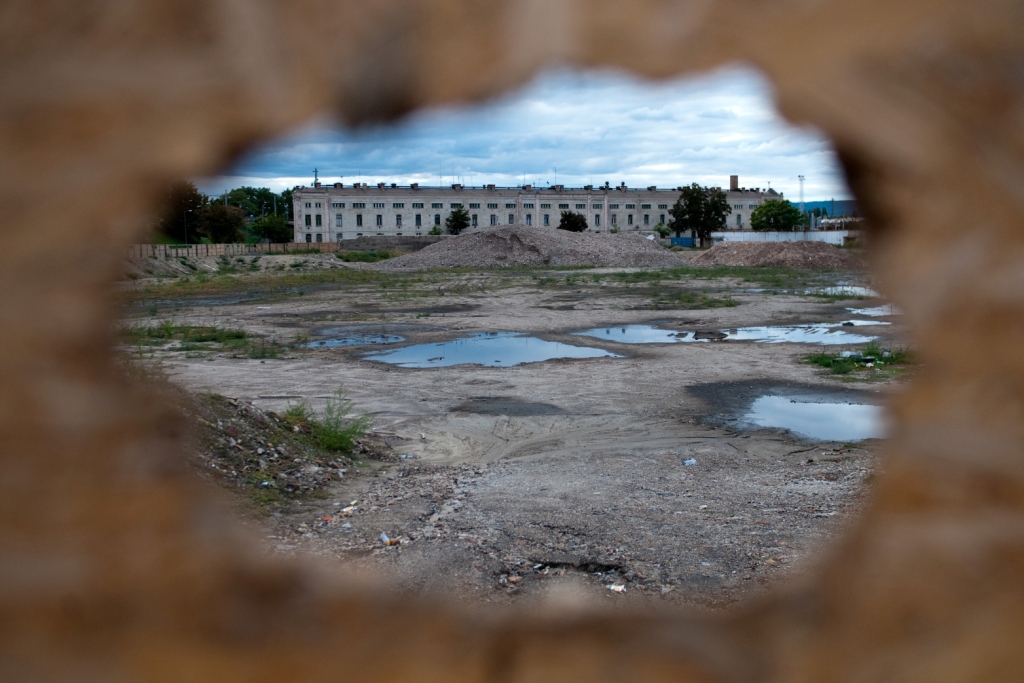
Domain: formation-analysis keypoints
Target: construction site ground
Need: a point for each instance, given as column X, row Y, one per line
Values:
column 564, row 477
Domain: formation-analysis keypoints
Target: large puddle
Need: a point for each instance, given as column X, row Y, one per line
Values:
column 636, row 334
column 490, row 349
column 815, row 419
column 817, row 333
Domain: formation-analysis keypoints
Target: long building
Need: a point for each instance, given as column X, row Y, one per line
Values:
column 328, row 213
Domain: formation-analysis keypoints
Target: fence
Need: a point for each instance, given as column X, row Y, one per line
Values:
column 404, row 244
column 835, row 237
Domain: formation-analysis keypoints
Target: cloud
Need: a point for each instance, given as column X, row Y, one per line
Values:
column 573, row 128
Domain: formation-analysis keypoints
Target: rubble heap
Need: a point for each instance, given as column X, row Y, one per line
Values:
column 811, row 255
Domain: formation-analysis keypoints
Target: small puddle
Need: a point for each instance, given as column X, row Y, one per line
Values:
column 356, row 340
column 490, row 349
column 816, row 419
column 636, row 334
column 816, row 333
column 845, row 290
column 877, row 311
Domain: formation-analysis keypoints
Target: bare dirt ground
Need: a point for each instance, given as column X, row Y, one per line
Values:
column 507, row 483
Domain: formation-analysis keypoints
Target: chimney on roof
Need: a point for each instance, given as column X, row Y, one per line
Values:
column 490, row 187
column 588, row 187
column 316, row 184
column 558, row 188
column 415, row 186
column 652, row 188
column 381, row 186
column 457, row 186
column 734, row 183
column 394, row 186
column 338, row 185
column 528, row 188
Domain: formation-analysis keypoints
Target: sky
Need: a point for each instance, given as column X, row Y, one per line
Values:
column 568, row 128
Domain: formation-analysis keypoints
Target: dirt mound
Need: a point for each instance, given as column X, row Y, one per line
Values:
column 519, row 245
column 817, row 255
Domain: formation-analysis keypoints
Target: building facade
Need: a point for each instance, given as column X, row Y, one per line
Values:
column 328, row 213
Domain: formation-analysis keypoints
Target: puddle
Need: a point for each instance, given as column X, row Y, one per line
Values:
column 877, row 311
column 356, row 340
column 845, row 290
column 815, row 333
column 636, row 334
column 490, row 349
column 816, row 419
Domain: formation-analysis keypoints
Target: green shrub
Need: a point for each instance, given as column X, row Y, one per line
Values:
column 337, row 430
column 365, row 256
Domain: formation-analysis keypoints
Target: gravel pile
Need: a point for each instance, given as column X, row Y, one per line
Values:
column 816, row 255
column 519, row 245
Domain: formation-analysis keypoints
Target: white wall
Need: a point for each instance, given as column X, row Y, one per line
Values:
column 835, row 237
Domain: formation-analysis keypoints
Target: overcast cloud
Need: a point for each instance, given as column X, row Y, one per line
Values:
column 574, row 129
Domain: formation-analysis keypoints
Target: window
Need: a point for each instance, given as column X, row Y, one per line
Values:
column 380, row 220
column 419, row 220
column 309, row 238
column 318, row 205
column 456, row 205
column 597, row 220
column 598, row 206
column 308, row 205
column 492, row 206
column 645, row 206
column 629, row 219
column 417, row 205
column 398, row 220
column 378, row 205
column 613, row 206
column 359, row 220
column 528, row 205
column 337, row 221
column 358, row 205
column 662, row 206
column 340, row 238
column 529, row 219
column 511, row 218
column 630, row 206
column 581, row 206
column 437, row 219
column 319, row 237
column 547, row 219
column 359, row 234
column 399, row 205
column 319, row 221
column 474, row 220
column 563, row 206
column 647, row 219
column 615, row 219
column 737, row 206
column 494, row 219
column 474, row 206
column 437, row 205
column 739, row 219
column 752, row 206
column 309, row 220
column 545, row 206
column 661, row 219
column 338, row 205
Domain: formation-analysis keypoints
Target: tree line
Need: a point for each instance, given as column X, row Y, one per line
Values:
column 245, row 214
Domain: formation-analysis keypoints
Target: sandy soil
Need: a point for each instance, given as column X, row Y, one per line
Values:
column 519, row 481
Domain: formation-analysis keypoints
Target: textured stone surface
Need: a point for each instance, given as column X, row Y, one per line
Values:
column 114, row 567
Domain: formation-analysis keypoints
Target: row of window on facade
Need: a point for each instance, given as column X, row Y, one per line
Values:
column 474, row 219
column 493, row 205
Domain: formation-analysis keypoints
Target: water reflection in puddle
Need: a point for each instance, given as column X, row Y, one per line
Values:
column 817, row 333
column 636, row 334
column 845, row 290
column 875, row 312
column 490, row 349
column 356, row 340
column 817, row 420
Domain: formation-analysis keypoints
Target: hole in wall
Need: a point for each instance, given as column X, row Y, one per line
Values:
column 620, row 471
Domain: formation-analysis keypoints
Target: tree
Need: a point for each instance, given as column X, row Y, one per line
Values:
column 181, row 213
column 273, row 228
column 573, row 222
column 457, row 221
column 776, row 215
column 700, row 210
column 223, row 224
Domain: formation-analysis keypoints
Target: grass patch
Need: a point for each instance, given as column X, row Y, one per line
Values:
column 336, row 430
column 885, row 360
column 369, row 256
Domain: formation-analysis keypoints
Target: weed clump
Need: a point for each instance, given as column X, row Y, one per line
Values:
column 336, row 430
column 368, row 256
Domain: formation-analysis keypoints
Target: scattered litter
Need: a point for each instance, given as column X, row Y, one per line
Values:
column 617, row 588
column 385, row 539
column 703, row 507
column 407, row 456
column 689, row 463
